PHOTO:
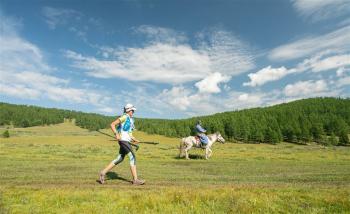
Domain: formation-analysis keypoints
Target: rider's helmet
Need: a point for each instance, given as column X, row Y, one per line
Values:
column 129, row 107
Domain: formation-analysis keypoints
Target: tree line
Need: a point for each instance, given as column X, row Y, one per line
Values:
column 27, row 116
column 323, row 120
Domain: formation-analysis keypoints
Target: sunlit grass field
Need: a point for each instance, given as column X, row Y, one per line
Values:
column 53, row 169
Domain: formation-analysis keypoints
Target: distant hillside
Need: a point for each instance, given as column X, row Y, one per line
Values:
column 324, row 120
column 27, row 116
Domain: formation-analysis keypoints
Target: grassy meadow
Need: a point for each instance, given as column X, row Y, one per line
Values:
column 53, row 169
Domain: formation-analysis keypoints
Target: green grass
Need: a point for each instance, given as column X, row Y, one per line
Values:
column 53, row 169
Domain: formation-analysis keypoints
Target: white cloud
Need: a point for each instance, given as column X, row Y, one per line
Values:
column 106, row 110
column 332, row 62
column 344, row 81
column 344, row 22
column 237, row 100
column 20, row 91
column 250, row 98
column 157, row 63
column 60, row 16
column 321, row 53
column 341, row 71
column 25, row 73
column 178, row 97
column 80, row 33
column 16, row 52
column 322, row 9
column 194, row 103
column 218, row 56
column 211, row 82
column 322, row 61
column 228, row 54
column 183, row 101
column 159, row 34
column 309, row 88
column 317, row 63
column 187, row 101
column 169, row 62
column 72, row 20
column 267, row 74
column 336, row 41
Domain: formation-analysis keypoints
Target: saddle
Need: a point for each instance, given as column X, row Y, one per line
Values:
column 199, row 142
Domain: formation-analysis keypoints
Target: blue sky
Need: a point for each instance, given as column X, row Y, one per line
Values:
column 172, row 59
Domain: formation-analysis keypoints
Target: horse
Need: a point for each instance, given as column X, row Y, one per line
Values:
column 188, row 142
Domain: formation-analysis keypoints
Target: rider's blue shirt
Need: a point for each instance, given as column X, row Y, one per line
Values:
column 200, row 129
column 204, row 139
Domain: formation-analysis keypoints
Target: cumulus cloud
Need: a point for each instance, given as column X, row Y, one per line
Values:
column 236, row 100
column 265, row 75
column 195, row 103
column 336, row 41
column 341, row 71
column 309, row 87
column 212, row 60
column 211, row 82
column 177, row 96
column 189, row 102
column 184, row 101
column 321, row 9
column 169, row 62
column 318, row 63
column 250, row 98
column 322, row 53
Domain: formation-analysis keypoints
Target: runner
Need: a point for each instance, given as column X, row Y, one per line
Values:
column 123, row 133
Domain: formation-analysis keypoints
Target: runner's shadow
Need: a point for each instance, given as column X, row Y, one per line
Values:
column 115, row 176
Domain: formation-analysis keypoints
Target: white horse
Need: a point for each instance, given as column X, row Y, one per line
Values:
column 188, row 142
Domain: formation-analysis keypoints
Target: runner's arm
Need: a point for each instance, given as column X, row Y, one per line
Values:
column 113, row 125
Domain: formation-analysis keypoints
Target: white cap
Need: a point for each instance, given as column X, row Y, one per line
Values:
column 129, row 107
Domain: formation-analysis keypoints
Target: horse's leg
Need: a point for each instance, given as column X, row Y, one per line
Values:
column 188, row 147
column 206, row 153
column 210, row 152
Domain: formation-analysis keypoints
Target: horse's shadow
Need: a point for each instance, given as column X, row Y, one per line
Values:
column 114, row 176
column 192, row 156
column 196, row 156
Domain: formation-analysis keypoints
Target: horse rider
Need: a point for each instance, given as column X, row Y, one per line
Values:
column 201, row 134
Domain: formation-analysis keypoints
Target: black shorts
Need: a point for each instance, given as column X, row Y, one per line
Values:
column 125, row 148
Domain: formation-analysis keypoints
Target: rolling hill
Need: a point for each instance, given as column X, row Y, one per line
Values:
column 323, row 120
